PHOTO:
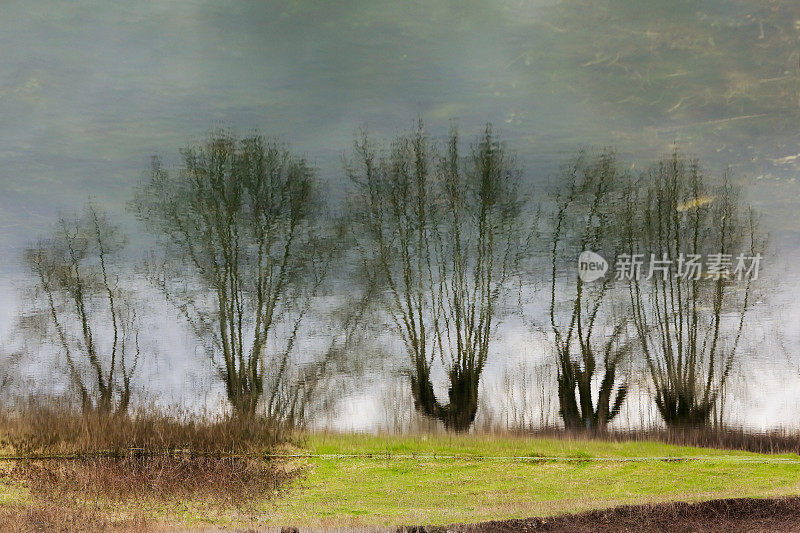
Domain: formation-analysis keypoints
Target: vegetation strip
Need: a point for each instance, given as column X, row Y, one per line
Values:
column 696, row 458
column 388, row 456
column 331, row 480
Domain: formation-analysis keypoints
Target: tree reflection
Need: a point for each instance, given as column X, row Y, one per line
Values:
column 84, row 310
column 245, row 255
column 588, row 326
column 439, row 233
column 690, row 321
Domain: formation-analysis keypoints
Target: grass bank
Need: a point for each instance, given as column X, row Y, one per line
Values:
column 382, row 480
column 354, row 480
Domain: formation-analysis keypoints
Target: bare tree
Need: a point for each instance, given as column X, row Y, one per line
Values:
column 589, row 333
column 689, row 321
column 86, row 312
column 246, row 256
column 438, row 234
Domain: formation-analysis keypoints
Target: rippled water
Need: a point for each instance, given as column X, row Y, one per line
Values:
column 89, row 92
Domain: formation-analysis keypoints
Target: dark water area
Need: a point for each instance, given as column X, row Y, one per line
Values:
column 118, row 304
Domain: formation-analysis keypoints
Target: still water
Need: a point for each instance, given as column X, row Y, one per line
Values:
column 90, row 92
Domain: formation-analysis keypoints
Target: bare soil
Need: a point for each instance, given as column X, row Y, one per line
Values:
column 730, row 516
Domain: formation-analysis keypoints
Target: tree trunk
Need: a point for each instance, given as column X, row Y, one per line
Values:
column 681, row 410
column 459, row 414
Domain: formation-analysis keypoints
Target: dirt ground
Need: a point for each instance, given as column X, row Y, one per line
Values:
column 730, row 516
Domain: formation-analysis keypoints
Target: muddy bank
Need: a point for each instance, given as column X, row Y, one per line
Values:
column 731, row 516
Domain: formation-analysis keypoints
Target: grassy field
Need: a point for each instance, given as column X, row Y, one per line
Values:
column 381, row 480
column 446, row 479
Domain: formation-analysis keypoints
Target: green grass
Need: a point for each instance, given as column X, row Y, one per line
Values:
column 486, row 480
column 500, row 446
